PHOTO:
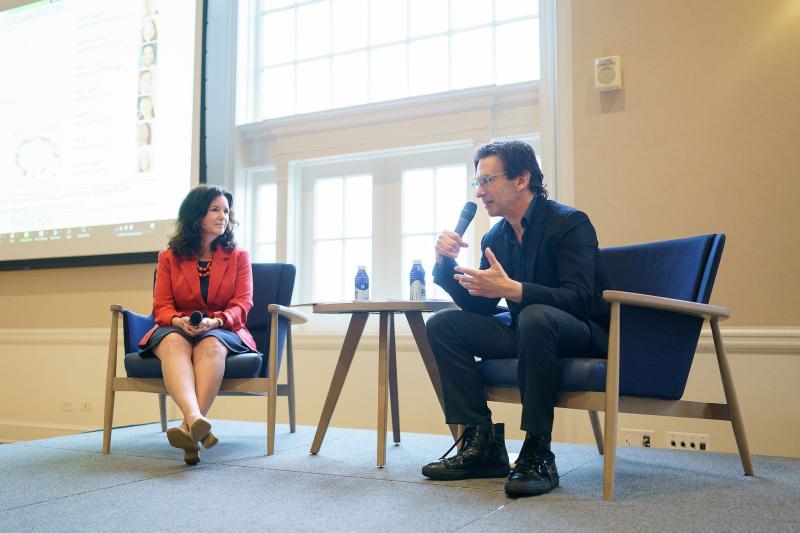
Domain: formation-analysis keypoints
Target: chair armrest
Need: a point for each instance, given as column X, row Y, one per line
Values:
column 295, row 317
column 667, row 304
column 116, row 308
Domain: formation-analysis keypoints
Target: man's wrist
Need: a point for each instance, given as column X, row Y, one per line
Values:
column 515, row 292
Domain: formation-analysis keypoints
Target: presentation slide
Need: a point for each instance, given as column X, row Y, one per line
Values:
column 99, row 135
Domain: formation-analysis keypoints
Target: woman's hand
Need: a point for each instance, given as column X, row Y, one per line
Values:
column 207, row 324
column 182, row 323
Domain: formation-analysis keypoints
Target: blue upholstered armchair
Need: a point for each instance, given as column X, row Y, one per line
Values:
column 246, row 374
column 659, row 300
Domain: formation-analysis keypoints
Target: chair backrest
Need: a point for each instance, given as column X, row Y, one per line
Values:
column 657, row 347
column 273, row 283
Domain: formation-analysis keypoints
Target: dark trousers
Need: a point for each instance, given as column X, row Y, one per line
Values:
column 540, row 335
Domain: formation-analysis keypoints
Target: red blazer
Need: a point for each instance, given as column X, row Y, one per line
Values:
column 230, row 291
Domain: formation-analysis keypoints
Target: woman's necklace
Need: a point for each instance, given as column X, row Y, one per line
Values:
column 204, row 271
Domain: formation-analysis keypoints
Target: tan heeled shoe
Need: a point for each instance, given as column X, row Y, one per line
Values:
column 180, row 438
column 209, row 441
column 200, row 429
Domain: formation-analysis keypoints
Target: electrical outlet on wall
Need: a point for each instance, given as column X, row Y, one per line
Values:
column 689, row 441
column 641, row 438
column 66, row 405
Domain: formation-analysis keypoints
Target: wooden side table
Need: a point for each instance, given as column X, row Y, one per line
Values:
column 387, row 364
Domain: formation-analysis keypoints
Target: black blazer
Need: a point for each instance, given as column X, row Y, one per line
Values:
column 563, row 268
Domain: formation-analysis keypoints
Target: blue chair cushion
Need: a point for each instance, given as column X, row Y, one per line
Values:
column 243, row 365
column 575, row 373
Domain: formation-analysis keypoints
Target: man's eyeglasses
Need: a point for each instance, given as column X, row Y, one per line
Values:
column 483, row 181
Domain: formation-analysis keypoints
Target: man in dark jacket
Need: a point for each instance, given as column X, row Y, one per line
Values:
column 543, row 259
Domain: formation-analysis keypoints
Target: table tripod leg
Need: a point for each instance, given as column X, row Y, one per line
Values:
column 393, row 394
column 354, row 331
column 383, row 386
column 417, row 325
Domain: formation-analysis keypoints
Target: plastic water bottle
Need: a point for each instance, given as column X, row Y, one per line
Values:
column 417, row 278
column 362, row 284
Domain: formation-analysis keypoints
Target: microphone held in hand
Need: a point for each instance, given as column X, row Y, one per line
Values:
column 467, row 214
column 195, row 318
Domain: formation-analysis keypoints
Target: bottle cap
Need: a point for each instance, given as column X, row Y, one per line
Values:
column 361, row 267
column 417, row 261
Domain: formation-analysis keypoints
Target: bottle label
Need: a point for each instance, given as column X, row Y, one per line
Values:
column 417, row 291
column 362, row 295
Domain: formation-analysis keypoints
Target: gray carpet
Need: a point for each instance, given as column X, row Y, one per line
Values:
column 66, row 484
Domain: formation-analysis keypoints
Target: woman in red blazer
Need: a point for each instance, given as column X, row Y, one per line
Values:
column 202, row 270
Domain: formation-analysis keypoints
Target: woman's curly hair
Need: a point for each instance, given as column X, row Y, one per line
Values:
column 186, row 241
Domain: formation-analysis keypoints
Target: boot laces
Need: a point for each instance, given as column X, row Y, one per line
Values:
column 470, row 438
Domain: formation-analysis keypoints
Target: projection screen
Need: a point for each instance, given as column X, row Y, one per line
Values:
column 100, row 106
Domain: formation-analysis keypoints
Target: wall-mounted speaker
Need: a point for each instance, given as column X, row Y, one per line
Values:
column 608, row 73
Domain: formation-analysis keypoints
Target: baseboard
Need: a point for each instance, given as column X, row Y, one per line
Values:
column 24, row 431
column 737, row 340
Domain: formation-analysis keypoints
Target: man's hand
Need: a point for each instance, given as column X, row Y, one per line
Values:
column 490, row 283
column 449, row 244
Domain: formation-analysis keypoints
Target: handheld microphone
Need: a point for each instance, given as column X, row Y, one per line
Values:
column 467, row 214
column 195, row 318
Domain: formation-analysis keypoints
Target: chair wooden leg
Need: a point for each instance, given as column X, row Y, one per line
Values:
column 162, row 409
column 733, row 402
column 393, row 397
column 111, row 373
column 290, row 381
column 598, row 433
column 272, row 384
column 612, row 404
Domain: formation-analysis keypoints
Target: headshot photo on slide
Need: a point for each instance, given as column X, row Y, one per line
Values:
column 146, row 108
column 148, row 58
column 149, row 32
column 145, row 134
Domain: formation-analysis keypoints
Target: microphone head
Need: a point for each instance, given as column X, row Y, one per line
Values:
column 469, row 210
column 195, row 318
column 467, row 214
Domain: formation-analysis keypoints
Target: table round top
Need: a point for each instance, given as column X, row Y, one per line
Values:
column 397, row 306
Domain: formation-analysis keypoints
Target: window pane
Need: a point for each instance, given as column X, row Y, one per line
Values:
column 417, row 247
column 387, row 76
column 358, row 206
column 266, row 212
column 450, row 193
column 349, row 24
column 417, row 203
column 387, row 21
column 472, row 58
column 506, row 9
column 356, row 252
column 349, row 78
column 515, row 62
column 313, row 30
column 328, row 271
column 427, row 17
column 428, row 72
column 277, row 33
column 272, row 4
column 467, row 13
column 328, row 208
column 265, row 253
column 277, row 91
column 313, row 85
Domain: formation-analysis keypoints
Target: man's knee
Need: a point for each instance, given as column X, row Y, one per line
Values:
column 441, row 322
column 537, row 320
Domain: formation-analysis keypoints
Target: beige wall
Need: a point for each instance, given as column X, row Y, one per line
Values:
column 702, row 139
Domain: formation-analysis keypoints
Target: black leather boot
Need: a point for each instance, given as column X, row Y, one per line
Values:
column 483, row 455
column 535, row 471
